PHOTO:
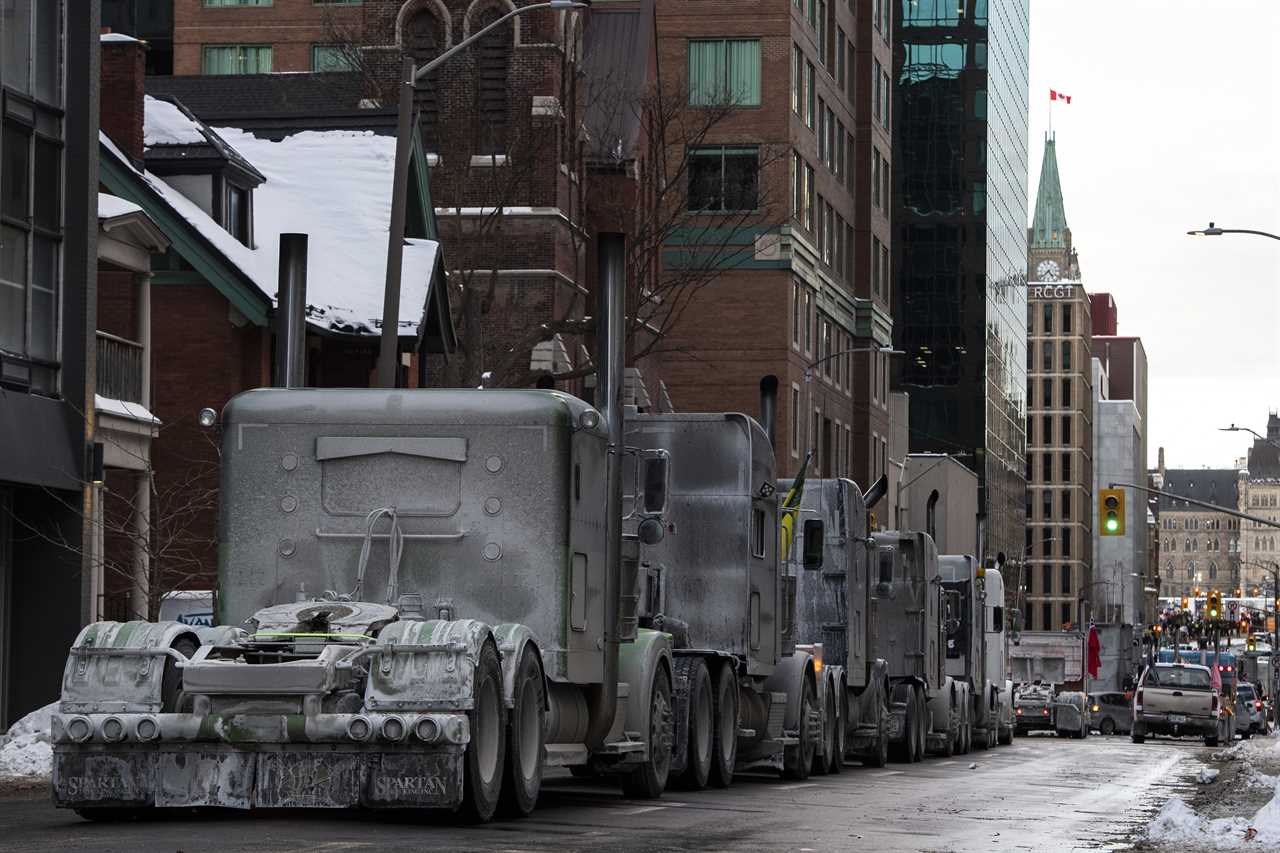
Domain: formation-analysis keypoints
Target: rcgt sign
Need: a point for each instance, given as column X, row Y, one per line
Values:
column 1052, row 291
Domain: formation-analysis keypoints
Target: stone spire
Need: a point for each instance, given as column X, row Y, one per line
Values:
column 1049, row 228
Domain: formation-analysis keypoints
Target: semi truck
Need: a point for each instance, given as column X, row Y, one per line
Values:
column 829, row 566
column 746, row 696
column 975, row 645
column 425, row 597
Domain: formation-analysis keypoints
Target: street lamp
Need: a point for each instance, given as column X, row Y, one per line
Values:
column 410, row 76
column 808, row 382
column 1215, row 231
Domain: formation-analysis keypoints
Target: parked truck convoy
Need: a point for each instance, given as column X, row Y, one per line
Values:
column 428, row 597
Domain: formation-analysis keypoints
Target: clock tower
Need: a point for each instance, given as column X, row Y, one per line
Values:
column 1050, row 256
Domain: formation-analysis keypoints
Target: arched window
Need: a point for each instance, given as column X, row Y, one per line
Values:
column 424, row 36
column 1213, row 571
column 492, row 55
column 1186, row 546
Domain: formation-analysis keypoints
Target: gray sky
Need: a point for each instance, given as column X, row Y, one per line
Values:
column 1172, row 124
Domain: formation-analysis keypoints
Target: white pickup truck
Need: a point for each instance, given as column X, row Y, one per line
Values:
column 1177, row 699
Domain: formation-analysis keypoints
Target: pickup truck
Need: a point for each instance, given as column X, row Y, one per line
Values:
column 1176, row 699
column 1033, row 708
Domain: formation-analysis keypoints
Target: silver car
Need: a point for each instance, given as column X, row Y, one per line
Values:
column 1250, row 716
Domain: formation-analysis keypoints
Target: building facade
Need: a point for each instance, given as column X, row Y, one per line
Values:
column 960, row 247
column 1060, row 425
column 48, row 230
column 1260, row 496
column 1200, row 548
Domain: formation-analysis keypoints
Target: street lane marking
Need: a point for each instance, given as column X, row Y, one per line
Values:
column 884, row 773
column 644, row 810
column 802, row 785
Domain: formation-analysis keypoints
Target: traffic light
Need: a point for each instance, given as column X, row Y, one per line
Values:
column 1215, row 605
column 1110, row 512
column 1251, row 644
column 1186, row 603
column 1244, row 626
column 1239, row 592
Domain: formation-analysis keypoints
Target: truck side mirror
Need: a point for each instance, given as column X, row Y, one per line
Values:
column 656, row 482
column 814, row 539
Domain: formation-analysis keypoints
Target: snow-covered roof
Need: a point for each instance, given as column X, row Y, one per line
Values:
column 334, row 186
column 110, row 206
column 124, row 409
column 165, row 124
column 116, row 37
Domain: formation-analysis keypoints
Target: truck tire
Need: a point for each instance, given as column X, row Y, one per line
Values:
column 1107, row 726
column 486, row 753
column 824, row 757
column 724, row 746
column 1004, row 736
column 950, row 743
column 877, row 755
column 701, row 726
column 1211, row 740
column 647, row 781
column 522, row 779
column 797, row 760
column 922, row 725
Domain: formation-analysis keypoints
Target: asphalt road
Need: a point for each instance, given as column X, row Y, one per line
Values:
column 1042, row 794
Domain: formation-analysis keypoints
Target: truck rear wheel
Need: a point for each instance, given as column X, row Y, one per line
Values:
column 797, row 760
column 922, row 725
column 724, row 751
column 648, row 781
column 701, row 726
column 522, row 777
column 824, row 757
column 482, row 776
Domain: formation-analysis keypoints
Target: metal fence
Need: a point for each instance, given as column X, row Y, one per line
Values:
column 119, row 368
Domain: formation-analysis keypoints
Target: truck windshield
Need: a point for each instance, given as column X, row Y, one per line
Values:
column 1178, row 677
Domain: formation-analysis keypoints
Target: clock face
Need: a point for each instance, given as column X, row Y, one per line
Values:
column 1047, row 271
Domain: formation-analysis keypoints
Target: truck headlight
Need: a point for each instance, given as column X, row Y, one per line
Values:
column 79, row 729
column 113, row 729
column 394, row 729
column 147, row 729
column 427, row 730
column 359, row 727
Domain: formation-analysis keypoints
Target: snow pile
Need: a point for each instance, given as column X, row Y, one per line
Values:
column 1207, row 775
column 25, row 750
column 165, row 124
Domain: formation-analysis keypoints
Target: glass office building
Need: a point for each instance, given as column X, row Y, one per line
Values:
column 960, row 243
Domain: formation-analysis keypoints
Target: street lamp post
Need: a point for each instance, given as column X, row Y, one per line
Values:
column 389, row 344
column 1215, row 231
column 808, row 382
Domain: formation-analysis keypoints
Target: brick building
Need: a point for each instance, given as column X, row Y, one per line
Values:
column 1060, row 457
column 803, row 307
column 1260, row 496
column 1200, row 548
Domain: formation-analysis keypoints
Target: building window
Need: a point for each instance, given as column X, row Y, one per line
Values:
column 875, row 178
column 1046, row 468
column 1046, row 393
column 840, row 58
column 724, row 71
column 883, row 111
column 1065, row 539
column 723, row 178
column 1066, row 467
column 1066, row 356
column 1046, row 357
column 1046, row 500
column 796, row 426
column 1066, row 394
column 841, row 165
column 795, row 314
column 828, row 219
column 797, row 180
column 492, row 85
column 1046, row 434
column 31, row 215
column 877, row 102
column 797, row 77
column 1046, row 585
column 824, row 154
column 1066, row 504
column 810, row 94
column 1065, row 581
column 1046, row 616
column 1067, row 311
column 237, row 59
column 808, row 321
column 238, row 215
column 875, row 266
column 327, row 57
column 823, row 57
column 808, row 197
column 1065, row 438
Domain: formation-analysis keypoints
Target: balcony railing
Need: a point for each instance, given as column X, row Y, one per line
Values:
column 119, row 368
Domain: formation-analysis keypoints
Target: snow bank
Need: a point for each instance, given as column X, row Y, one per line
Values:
column 1178, row 823
column 25, row 749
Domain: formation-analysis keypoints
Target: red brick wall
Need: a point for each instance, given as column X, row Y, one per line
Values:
column 117, row 303
column 121, row 110
column 291, row 27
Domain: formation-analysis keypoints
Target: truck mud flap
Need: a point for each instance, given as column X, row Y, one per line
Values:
column 104, row 779
column 270, row 779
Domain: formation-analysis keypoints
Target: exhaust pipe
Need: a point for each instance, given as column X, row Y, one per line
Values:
column 610, row 311
column 878, row 489
column 291, row 337
column 769, row 408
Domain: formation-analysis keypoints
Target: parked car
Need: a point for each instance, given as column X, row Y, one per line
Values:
column 1071, row 714
column 1112, row 713
column 1250, row 715
column 1178, row 699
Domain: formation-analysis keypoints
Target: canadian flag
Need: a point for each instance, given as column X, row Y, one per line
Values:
column 1055, row 95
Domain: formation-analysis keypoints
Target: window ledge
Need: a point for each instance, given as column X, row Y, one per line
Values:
column 490, row 160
